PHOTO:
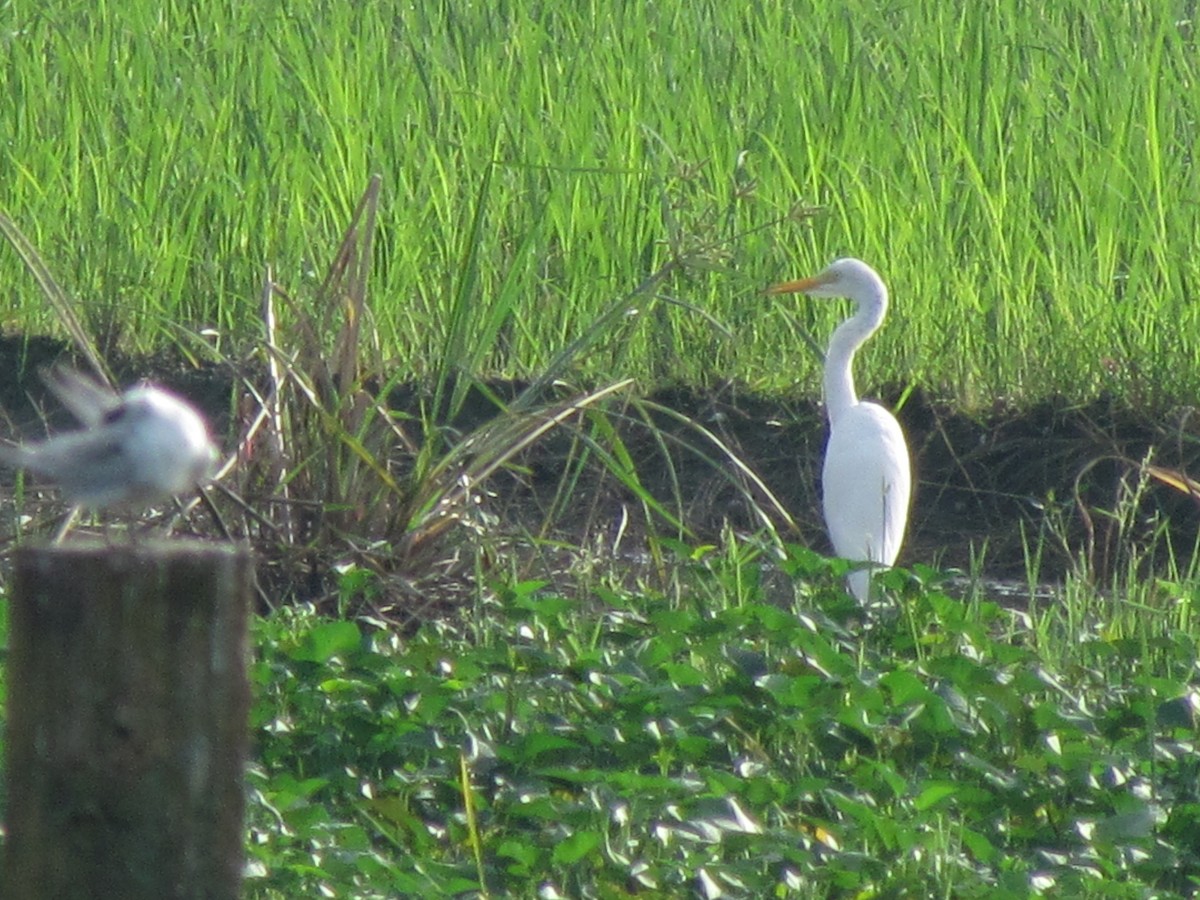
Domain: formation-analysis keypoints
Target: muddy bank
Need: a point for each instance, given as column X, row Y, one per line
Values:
column 990, row 485
column 986, row 487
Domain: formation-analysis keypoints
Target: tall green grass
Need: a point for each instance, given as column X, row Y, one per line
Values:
column 1023, row 175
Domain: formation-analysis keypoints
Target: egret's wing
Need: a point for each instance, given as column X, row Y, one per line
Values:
column 866, row 485
column 88, row 400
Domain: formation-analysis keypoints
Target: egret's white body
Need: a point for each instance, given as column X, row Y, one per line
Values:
column 866, row 478
column 135, row 449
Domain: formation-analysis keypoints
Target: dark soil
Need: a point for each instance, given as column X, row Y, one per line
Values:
column 987, row 486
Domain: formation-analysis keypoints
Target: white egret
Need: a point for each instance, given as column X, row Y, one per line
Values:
column 866, row 479
column 135, row 448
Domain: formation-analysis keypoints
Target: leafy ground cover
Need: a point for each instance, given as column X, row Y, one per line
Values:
column 736, row 735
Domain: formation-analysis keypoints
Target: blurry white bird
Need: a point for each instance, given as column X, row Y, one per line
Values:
column 866, row 478
column 136, row 448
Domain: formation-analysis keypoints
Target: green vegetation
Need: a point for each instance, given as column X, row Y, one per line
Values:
column 1020, row 173
column 727, row 722
column 741, row 731
column 707, row 741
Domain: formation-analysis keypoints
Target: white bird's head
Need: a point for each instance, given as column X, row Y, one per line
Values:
column 846, row 277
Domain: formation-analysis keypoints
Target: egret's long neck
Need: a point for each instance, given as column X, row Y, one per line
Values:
column 847, row 338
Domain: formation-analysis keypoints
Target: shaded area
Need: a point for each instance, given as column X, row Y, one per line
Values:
column 985, row 485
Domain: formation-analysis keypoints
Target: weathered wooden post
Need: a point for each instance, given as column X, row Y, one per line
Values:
column 127, row 721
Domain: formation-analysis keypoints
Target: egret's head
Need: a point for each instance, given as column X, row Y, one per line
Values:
column 846, row 277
